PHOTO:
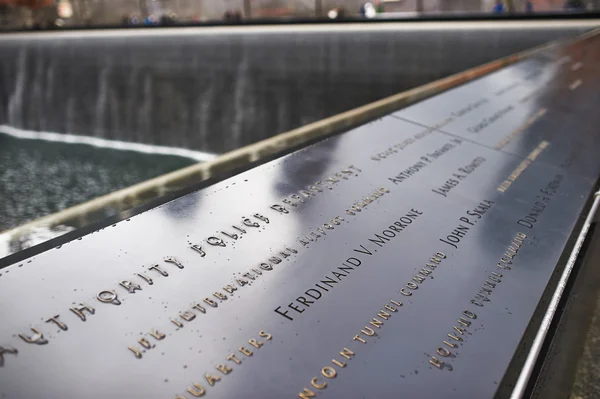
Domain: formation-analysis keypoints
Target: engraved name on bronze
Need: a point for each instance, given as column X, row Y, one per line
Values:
column 330, row 281
column 425, row 160
column 467, row 223
column 233, row 360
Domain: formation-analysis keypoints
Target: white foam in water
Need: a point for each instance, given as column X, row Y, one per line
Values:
column 104, row 143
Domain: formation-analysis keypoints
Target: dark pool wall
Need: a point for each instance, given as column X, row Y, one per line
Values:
column 218, row 89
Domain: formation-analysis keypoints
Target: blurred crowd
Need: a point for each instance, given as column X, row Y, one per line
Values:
column 17, row 14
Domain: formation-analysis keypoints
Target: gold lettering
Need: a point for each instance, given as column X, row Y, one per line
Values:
column 37, row 338
column 177, row 323
column 245, row 351
column 234, row 359
column 156, row 334
column 464, row 322
column 136, row 352
column 470, row 314
column 212, row 379
column 211, row 302
column 196, row 390
column 130, row 287
column 220, row 296
column 174, row 261
column 224, row 368
column 230, row 288
column 255, row 343
column 306, row 394
column 347, row 353
column 159, row 270
column 79, row 311
column 265, row 335
column 449, row 344
column 316, row 384
column 328, row 372
column 187, row 315
column 454, row 337
column 390, row 308
column 337, row 362
column 145, row 278
column 376, row 323
column 436, row 362
column 404, row 292
column 59, row 323
column 397, row 303
column 144, row 342
column 199, row 307
column 108, row 297
column 459, row 330
column 384, row 315
column 443, row 352
column 357, row 338
column 370, row 332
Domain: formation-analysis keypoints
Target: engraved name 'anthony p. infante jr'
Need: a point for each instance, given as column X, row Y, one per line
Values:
column 425, row 160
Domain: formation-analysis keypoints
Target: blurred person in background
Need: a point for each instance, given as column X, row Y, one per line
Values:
column 529, row 6
column 498, row 7
column 574, row 5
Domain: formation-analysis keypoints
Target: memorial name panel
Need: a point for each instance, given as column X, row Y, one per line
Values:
column 393, row 259
column 517, row 125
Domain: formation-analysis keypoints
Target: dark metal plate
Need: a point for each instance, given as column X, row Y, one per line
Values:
column 441, row 246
